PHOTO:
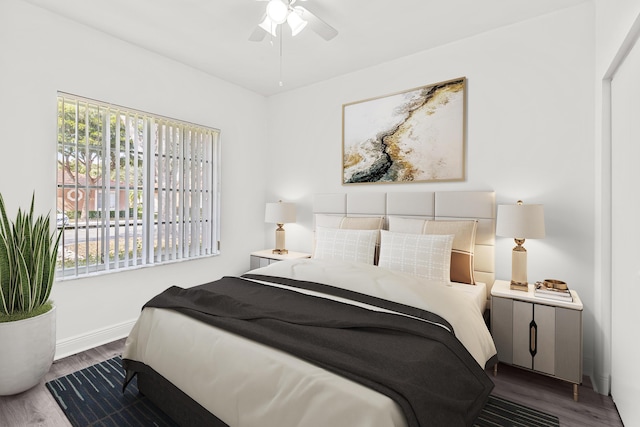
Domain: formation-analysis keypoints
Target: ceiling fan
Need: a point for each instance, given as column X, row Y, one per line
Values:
column 297, row 17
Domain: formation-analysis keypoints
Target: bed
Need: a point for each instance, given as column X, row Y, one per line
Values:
column 197, row 358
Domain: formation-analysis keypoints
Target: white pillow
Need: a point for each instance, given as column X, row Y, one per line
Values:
column 346, row 245
column 464, row 241
column 425, row 255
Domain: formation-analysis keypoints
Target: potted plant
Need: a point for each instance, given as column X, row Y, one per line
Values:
column 28, row 251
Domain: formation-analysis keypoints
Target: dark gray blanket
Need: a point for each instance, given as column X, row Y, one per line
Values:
column 420, row 365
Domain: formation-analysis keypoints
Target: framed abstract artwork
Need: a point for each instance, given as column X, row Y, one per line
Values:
column 412, row 136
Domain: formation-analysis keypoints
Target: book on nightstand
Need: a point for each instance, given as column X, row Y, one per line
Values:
column 542, row 291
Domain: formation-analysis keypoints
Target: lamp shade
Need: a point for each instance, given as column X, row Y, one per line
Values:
column 520, row 221
column 280, row 213
column 296, row 23
column 269, row 26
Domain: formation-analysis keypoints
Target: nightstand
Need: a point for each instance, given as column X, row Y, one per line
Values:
column 537, row 334
column 266, row 257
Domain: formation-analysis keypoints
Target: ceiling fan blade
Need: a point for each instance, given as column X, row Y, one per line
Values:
column 323, row 29
column 257, row 35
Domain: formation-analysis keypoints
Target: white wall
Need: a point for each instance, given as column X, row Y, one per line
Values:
column 616, row 30
column 43, row 53
column 529, row 136
column 625, row 278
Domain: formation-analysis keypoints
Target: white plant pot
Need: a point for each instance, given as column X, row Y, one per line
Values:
column 27, row 348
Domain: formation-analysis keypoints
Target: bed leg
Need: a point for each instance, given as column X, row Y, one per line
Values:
column 495, row 370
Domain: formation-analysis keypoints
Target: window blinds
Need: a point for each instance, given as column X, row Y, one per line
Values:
column 138, row 188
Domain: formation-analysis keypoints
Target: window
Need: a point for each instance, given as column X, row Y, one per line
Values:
column 133, row 188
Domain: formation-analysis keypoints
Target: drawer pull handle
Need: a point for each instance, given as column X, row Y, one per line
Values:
column 533, row 338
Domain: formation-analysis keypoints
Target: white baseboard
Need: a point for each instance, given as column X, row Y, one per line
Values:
column 73, row 345
column 601, row 384
column 587, row 366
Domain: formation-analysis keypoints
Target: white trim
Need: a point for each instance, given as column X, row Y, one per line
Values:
column 601, row 373
column 628, row 43
column 79, row 343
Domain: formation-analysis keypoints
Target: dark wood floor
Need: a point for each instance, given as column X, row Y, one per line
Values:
column 36, row 407
column 556, row 397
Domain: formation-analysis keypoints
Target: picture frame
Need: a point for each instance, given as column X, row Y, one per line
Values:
column 418, row 135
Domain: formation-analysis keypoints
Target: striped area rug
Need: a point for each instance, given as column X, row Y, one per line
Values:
column 93, row 397
column 502, row 412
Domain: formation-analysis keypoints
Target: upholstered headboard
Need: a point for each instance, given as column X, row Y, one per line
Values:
column 438, row 205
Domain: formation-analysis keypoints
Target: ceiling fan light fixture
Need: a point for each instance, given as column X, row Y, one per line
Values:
column 296, row 23
column 269, row 26
column 277, row 11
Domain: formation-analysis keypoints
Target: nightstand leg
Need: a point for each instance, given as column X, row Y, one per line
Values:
column 575, row 392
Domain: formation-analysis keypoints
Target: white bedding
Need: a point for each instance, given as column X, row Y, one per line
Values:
column 457, row 304
column 477, row 292
column 247, row 384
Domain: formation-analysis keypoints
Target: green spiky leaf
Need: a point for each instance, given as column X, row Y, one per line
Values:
column 28, row 250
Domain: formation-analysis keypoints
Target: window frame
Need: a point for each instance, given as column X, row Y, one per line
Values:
column 194, row 230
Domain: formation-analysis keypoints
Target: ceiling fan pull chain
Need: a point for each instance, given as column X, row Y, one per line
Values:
column 280, row 83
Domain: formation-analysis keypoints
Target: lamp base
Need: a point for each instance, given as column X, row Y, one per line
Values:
column 519, row 267
column 280, row 250
column 519, row 286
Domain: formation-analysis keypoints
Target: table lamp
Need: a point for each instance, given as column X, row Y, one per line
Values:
column 521, row 222
column 280, row 213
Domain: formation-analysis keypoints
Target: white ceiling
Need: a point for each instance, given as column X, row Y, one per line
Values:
column 212, row 35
